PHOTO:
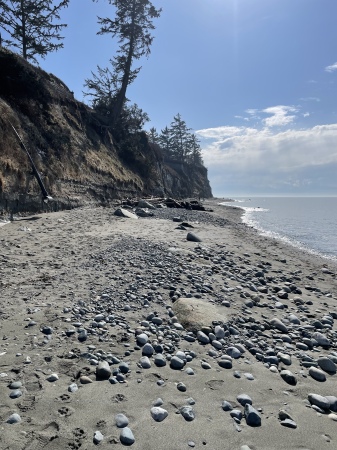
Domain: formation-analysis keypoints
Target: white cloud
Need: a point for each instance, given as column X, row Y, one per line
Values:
column 263, row 160
column 331, row 68
column 306, row 114
column 310, row 99
column 279, row 115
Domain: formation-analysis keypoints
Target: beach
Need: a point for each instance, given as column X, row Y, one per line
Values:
column 103, row 316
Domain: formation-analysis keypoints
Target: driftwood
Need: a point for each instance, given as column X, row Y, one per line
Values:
column 169, row 202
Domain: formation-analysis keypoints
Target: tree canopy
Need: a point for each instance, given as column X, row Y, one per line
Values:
column 32, row 26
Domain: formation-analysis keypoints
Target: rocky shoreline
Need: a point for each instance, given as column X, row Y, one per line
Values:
column 117, row 331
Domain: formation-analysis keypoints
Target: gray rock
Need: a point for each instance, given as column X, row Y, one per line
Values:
column 327, row 365
column 15, row 385
column 176, row 363
column 145, row 362
column 14, row 418
column 244, row 399
column 193, row 237
column 124, row 367
column 288, row 377
column 253, row 418
column 233, row 352
column 321, row 339
column 103, row 371
column 333, row 402
column 52, row 377
column 16, row 393
column 188, row 413
column 158, row 414
column 319, row 400
column 225, row 363
column 284, row 358
column 317, row 374
column 98, row 437
column 276, row 323
column 147, row 350
column 288, row 423
column 181, row 387
column 121, row 420
column 202, row 337
column 236, row 413
column 72, row 387
column 142, row 338
column 160, row 360
column 126, row 437
column 121, row 212
column 226, row 406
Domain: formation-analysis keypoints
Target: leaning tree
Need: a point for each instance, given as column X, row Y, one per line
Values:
column 32, row 26
column 132, row 25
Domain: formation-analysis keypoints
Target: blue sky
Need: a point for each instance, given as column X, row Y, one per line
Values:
column 255, row 79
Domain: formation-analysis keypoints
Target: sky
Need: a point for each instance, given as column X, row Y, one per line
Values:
column 255, row 79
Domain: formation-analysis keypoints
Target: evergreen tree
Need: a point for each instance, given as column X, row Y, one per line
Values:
column 153, row 136
column 103, row 88
column 180, row 138
column 132, row 25
column 32, row 26
column 195, row 157
column 165, row 142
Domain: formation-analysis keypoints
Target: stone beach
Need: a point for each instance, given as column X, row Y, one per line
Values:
column 181, row 329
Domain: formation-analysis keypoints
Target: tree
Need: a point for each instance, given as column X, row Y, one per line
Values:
column 195, row 157
column 165, row 141
column 180, row 138
column 31, row 26
column 153, row 136
column 132, row 25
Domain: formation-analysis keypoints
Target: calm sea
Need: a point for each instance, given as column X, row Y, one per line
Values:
column 309, row 223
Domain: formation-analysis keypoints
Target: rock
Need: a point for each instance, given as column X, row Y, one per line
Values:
column 103, row 371
column 72, row 387
column 193, row 237
column 226, row 406
column 145, row 204
column 158, row 414
column 288, row 423
column 126, row 437
column 333, row 402
column 124, row 367
column 276, row 323
column 121, row 212
column 121, row 420
column 147, row 350
column 187, row 413
column 176, row 363
column 253, row 418
column 327, row 365
column 244, row 399
column 319, row 400
column 202, row 337
column 14, row 418
column 288, row 377
column 85, row 380
column 145, row 362
column 321, row 339
column 16, row 393
column 142, row 338
column 53, row 377
column 160, row 360
column 225, row 363
column 181, row 387
column 284, row 358
column 98, row 437
column 233, row 352
column 283, row 415
column 317, row 374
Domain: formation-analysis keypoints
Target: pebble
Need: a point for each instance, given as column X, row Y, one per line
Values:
column 226, row 406
column 317, row 374
column 144, row 362
column 327, row 365
column 253, row 418
column 233, row 352
column 85, row 380
column 181, row 387
column 279, row 325
column 72, row 387
column 15, row 393
column 14, row 418
column 121, row 420
column 288, row 377
column 126, row 437
column 103, row 371
column 98, row 437
column 288, row 423
column 319, row 400
column 158, row 414
column 142, row 338
column 188, row 413
column 202, row 337
column 244, row 399
column 176, row 363
column 160, row 360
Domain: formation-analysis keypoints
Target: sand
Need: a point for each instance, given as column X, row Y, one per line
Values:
column 53, row 265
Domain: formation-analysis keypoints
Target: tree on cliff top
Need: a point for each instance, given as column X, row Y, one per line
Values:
column 132, row 25
column 31, row 26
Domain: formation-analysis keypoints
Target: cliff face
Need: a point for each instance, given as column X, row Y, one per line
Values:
column 73, row 149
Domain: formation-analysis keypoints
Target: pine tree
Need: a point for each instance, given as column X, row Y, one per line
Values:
column 180, row 138
column 153, row 136
column 132, row 25
column 165, row 142
column 32, row 26
column 195, row 157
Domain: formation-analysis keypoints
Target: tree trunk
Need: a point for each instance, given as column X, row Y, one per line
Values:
column 118, row 107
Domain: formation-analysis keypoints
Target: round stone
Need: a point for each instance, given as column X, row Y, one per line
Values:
column 327, row 365
column 103, row 371
column 288, row 377
column 253, row 418
column 244, row 399
column 187, row 413
column 319, row 400
column 14, row 418
column 126, row 437
column 176, row 363
column 145, row 362
column 98, row 437
column 121, row 420
column 158, row 414
column 53, row 377
column 317, row 374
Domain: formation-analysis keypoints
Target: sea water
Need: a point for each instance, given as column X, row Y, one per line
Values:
column 309, row 223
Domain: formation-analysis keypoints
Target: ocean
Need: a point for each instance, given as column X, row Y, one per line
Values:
column 309, row 223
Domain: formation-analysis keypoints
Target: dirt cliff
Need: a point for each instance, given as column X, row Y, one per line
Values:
column 73, row 148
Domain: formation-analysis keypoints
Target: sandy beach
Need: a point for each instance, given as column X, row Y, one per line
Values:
column 217, row 344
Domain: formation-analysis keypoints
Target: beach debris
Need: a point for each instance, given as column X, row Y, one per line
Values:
column 192, row 237
column 122, row 212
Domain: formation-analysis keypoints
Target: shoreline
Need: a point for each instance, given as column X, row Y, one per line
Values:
column 79, row 287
